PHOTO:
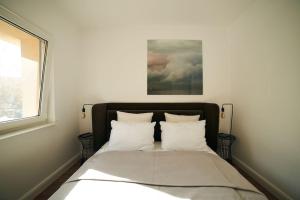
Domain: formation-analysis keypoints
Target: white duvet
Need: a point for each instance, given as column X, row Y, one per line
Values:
column 85, row 185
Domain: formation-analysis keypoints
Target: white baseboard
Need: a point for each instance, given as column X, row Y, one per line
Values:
column 273, row 189
column 49, row 179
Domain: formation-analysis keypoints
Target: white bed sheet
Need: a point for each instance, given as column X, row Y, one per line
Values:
column 157, row 147
column 92, row 190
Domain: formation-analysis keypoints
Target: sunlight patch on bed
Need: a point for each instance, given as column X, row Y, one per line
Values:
column 87, row 189
column 95, row 174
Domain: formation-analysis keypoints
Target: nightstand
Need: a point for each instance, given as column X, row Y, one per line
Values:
column 225, row 141
column 87, row 142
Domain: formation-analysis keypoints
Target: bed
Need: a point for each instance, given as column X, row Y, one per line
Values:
column 156, row 173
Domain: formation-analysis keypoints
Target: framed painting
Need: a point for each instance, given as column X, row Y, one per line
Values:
column 174, row 67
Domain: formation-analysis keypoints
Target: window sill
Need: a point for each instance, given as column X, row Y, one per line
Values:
column 26, row 130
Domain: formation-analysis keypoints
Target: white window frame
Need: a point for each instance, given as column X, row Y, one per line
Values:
column 44, row 116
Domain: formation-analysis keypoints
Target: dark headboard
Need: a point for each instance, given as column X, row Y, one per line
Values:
column 102, row 114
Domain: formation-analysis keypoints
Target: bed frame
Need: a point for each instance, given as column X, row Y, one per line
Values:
column 103, row 113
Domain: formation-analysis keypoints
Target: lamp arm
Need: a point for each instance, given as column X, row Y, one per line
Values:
column 87, row 104
column 83, row 109
column 229, row 104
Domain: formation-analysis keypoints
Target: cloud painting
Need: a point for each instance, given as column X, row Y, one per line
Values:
column 175, row 67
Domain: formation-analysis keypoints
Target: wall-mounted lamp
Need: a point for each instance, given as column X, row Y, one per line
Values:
column 223, row 113
column 83, row 109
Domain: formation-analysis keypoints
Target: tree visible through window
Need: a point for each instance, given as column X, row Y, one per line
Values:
column 22, row 56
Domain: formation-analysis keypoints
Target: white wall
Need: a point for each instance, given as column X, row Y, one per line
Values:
column 28, row 159
column 115, row 60
column 265, row 84
column 261, row 78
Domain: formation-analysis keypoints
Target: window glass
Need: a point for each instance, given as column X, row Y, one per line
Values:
column 22, row 56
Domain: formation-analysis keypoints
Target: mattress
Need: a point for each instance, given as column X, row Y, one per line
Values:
column 130, row 175
column 157, row 147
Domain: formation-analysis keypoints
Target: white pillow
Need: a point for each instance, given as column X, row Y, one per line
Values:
column 133, row 117
column 181, row 118
column 129, row 136
column 183, row 136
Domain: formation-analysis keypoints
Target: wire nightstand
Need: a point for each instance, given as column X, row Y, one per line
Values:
column 87, row 142
column 224, row 145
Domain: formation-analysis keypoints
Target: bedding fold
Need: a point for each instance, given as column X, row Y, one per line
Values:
column 162, row 168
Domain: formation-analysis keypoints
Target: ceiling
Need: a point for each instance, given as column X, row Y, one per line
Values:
column 98, row 13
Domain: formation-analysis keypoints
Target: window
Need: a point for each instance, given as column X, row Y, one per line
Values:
column 22, row 76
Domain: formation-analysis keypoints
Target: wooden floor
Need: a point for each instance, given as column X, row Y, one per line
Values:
column 54, row 186
column 257, row 185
